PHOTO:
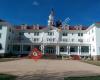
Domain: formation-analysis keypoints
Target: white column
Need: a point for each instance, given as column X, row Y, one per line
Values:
column 42, row 49
column 90, row 50
column 21, row 49
column 57, row 49
column 78, row 50
column 69, row 50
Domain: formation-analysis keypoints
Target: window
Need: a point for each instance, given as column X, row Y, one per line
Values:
column 0, row 26
column 26, row 47
column 53, row 39
column 50, row 39
column 63, row 49
column 50, row 33
column 47, row 39
column 65, row 40
column 80, row 34
column 93, row 50
column 28, row 32
column 0, row 35
column 0, row 46
column 36, row 39
column 93, row 39
column 92, row 31
column 21, row 33
column 84, row 48
column 16, row 47
column 64, row 34
column 80, row 40
column 9, row 37
column 36, row 33
column 72, row 40
column 50, row 49
column 8, row 47
column 73, row 48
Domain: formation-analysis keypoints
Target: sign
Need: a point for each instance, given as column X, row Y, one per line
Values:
column 35, row 54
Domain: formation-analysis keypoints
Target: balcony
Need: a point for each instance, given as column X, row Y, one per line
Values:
column 74, row 41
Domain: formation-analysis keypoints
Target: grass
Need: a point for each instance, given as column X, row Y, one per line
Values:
column 8, row 59
column 83, row 78
column 97, row 63
column 7, row 77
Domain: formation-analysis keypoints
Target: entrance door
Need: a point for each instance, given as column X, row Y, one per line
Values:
column 50, row 50
column 38, row 47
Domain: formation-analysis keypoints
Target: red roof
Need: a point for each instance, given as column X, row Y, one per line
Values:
column 44, row 27
column 30, row 27
column 77, row 28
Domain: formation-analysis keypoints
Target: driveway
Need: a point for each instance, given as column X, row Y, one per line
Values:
column 28, row 69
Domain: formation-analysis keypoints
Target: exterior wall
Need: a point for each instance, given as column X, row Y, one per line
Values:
column 91, row 34
column 97, row 40
column 94, row 40
column 56, row 39
column 3, row 33
column 11, row 36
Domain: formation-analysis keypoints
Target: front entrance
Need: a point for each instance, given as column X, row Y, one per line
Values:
column 38, row 47
column 50, row 50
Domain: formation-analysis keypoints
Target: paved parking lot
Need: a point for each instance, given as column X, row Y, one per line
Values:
column 28, row 69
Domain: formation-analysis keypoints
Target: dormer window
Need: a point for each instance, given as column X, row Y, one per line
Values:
column 64, row 34
column 80, row 34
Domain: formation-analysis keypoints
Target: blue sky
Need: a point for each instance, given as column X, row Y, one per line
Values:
column 83, row 12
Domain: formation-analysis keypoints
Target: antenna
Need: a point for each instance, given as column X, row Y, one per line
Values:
column 52, row 12
column 65, row 22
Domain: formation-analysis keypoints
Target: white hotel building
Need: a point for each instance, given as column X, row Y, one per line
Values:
column 54, row 40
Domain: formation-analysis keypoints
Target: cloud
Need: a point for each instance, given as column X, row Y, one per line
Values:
column 35, row 3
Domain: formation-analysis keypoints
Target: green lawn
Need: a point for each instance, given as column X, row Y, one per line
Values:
column 83, row 78
column 7, row 77
column 93, row 62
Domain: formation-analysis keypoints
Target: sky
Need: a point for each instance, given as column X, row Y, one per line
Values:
column 84, row 12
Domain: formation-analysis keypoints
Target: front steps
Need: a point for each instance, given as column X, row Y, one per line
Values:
column 49, row 56
column 67, row 57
